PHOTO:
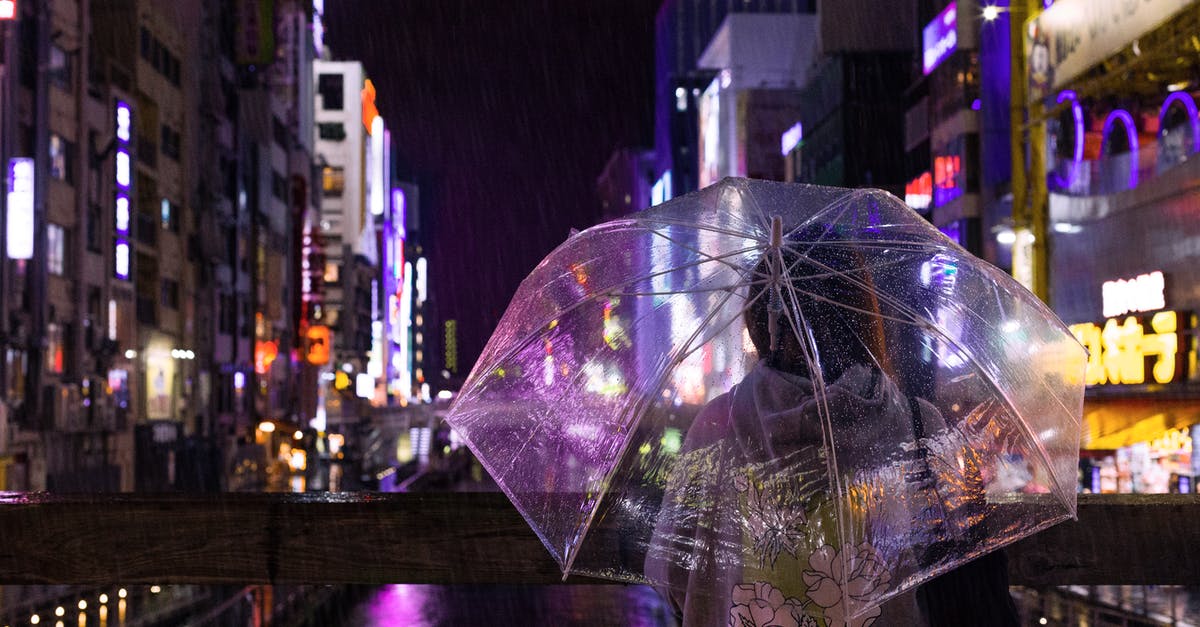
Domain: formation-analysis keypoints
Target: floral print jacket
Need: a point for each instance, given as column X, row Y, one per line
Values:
column 748, row 535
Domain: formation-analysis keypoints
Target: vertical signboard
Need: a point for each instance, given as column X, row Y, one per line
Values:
column 20, row 208
column 124, row 187
column 255, row 43
column 939, row 38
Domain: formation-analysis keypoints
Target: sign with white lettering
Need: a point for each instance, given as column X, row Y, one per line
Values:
column 1143, row 293
column 20, row 208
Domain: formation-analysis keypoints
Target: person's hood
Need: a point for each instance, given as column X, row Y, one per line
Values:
column 775, row 413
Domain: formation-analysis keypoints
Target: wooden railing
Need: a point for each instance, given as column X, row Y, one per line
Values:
column 446, row 538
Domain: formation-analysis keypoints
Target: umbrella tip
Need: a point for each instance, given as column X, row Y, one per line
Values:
column 776, row 232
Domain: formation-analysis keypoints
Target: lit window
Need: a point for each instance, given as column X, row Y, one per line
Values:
column 333, row 181
column 59, row 69
column 55, row 249
column 170, row 216
column 331, row 272
column 54, row 348
column 61, row 153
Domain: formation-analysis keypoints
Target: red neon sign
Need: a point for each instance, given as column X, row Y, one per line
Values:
column 918, row 193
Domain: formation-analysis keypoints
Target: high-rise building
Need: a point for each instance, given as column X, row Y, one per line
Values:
column 351, row 144
column 149, row 262
column 683, row 30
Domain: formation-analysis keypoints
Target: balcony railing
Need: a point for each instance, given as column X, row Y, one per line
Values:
column 443, row 538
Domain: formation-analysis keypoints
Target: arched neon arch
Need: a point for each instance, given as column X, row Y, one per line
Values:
column 1077, row 118
column 1189, row 103
column 1131, row 134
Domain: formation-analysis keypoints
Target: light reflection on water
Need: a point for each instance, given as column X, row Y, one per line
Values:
column 432, row 605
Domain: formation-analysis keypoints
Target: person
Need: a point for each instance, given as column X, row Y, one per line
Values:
column 747, row 534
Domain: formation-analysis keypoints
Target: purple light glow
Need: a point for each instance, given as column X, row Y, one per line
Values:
column 121, row 259
column 399, row 211
column 1190, row 104
column 1077, row 118
column 939, row 38
column 791, row 138
column 1131, row 136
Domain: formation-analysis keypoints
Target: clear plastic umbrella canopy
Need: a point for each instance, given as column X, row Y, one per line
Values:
column 776, row 402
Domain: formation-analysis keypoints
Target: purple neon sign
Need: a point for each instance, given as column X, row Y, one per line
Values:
column 1188, row 103
column 399, row 212
column 939, row 38
column 1077, row 152
column 1131, row 136
column 20, row 229
column 124, row 181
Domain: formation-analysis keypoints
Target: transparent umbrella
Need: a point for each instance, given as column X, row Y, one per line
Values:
column 780, row 404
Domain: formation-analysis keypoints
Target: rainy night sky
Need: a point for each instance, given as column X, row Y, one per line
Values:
column 505, row 112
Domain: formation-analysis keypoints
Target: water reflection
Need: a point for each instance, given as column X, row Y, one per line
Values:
column 428, row 605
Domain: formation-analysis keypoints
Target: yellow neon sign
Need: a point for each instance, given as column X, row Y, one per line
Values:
column 1117, row 353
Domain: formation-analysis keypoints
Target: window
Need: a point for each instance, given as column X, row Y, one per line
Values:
column 170, row 216
column 332, row 91
column 59, row 70
column 279, row 186
column 227, row 315
column 170, row 293
column 157, row 55
column 332, row 131
column 333, row 181
column 62, row 154
column 54, row 348
column 171, row 141
column 56, row 247
column 93, row 229
column 280, row 133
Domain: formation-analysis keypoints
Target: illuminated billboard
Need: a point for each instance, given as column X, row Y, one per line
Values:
column 940, row 38
column 8, row 9
column 124, row 181
column 20, row 208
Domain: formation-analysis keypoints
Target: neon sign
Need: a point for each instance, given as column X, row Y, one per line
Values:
column 1143, row 293
column 939, row 38
column 918, row 193
column 124, row 177
column 1077, row 120
column 791, row 138
column 1118, row 352
column 8, row 9
column 20, row 208
column 1131, row 137
column 945, row 179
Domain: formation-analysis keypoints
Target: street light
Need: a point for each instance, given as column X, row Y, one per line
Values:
column 266, row 426
column 991, row 12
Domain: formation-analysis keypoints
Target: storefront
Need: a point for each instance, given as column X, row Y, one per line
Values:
column 1119, row 81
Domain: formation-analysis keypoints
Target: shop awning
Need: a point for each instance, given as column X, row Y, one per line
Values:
column 1112, row 424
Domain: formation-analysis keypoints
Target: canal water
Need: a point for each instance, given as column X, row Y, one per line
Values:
column 497, row 605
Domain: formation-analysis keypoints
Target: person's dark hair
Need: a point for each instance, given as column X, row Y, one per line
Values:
column 835, row 293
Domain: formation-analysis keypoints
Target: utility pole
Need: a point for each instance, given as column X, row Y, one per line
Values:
column 1030, row 253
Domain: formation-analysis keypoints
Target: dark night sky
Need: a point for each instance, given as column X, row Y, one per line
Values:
column 505, row 112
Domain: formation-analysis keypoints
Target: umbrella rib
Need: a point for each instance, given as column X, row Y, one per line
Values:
column 748, row 198
column 720, row 258
column 808, row 344
column 604, row 293
column 699, row 262
column 749, row 303
column 672, row 362
column 645, row 221
column 841, row 200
